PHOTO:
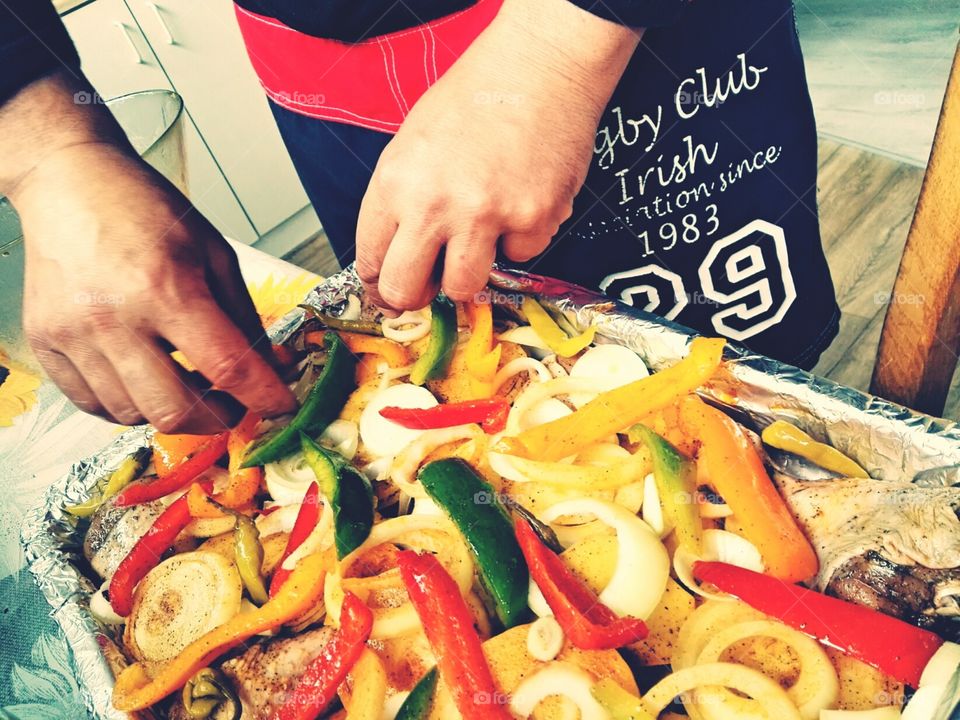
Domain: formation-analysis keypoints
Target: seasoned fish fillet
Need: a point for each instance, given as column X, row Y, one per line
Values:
column 114, row 531
column 891, row 546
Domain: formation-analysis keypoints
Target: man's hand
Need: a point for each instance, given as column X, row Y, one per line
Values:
column 119, row 270
column 495, row 151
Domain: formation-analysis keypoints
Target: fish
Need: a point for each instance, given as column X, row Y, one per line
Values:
column 892, row 546
column 114, row 531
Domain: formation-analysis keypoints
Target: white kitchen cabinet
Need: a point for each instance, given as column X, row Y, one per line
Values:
column 200, row 48
column 118, row 59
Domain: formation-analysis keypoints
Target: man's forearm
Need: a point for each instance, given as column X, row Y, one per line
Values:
column 45, row 117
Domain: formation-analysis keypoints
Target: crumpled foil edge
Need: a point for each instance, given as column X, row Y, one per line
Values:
column 890, row 441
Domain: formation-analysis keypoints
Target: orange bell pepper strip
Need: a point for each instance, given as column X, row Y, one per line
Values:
column 480, row 360
column 729, row 462
column 244, row 483
column 618, row 409
column 394, row 353
column 171, row 450
column 135, row 689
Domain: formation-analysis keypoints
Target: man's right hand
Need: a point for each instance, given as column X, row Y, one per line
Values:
column 120, row 269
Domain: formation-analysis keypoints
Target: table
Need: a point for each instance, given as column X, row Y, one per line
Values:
column 36, row 672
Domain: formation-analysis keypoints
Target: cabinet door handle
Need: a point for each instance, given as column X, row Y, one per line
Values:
column 134, row 50
column 158, row 11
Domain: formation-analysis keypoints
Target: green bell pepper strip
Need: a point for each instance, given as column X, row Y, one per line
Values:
column 347, row 490
column 419, row 703
column 472, row 504
column 128, row 471
column 435, row 361
column 321, row 406
column 676, row 478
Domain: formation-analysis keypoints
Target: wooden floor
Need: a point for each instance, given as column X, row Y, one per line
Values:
column 866, row 204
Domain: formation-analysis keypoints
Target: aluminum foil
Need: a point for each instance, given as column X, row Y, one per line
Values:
column 890, row 441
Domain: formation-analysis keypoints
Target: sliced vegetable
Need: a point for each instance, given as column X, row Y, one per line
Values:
column 718, row 546
column 317, row 686
column 347, row 491
column 676, row 478
column 736, row 472
column 521, row 365
column 643, row 565
column 433, row 363
column 179, row 600
column 582, row 477
column 127, row 471
column 409, row 327
column 784, row 436
column 147, row 553
column 613, row 365
column 490, row 414
column 244, row 483
column 887, row 712
column 588, row 623
column 306, row 521
column 618, row 409
column 382, row 437
column 321, row 406
column 620, row 704
column 550, row 332
column 395, row 354
column 370, row 684
column 171, row 450
column 471, row 502
column 207, row 695
column 544, row 638
column 136, row 689
column 179, row 477
column 249, row 556
column 362, row 327
column 888, row 644
column 558, row 678
column 419, row 702
column 481, row 357
column 448, row 624
column 403, row 470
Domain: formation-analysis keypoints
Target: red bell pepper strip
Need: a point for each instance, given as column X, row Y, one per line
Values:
column 178, row 478
column 491, row 414
column 317, row 686
column 448, row 624
column 146, row 554
column 588, row 623
column 892, row 646
column 306, row 521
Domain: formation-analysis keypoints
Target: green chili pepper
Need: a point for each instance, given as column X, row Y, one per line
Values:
column 347, row 490
column 435, row 361
column 473, row 505
column 205, row 692
column 676, row 478
column 321, row 407
column 249, row 556
column 126, row 472
column 419, row 703
column 367, row 327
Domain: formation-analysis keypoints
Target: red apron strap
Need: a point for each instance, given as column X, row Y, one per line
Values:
column 373, row 83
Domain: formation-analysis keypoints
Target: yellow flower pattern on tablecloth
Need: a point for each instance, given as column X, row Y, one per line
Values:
column 18, row 390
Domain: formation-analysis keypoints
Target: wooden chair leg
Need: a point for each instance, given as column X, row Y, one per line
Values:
column 921, row 332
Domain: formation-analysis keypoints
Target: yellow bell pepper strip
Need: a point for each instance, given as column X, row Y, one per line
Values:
column 551, row 333
column 620, row 704
column 676, row 478
column 615, row 410
column 135, row 689
column 784, row 436
column 394, row 353
column 480, row 360
column 317, row 686
column 126, row 472
column 369, row 688
column 435, row 360
column 729, row 463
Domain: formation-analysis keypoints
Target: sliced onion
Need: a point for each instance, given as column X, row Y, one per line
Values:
column 558, row 678
column 653, row 513
column 320, row 538
column 403, row 469
column 411, row 325
column 544, row 638
column 393, row 703
column 643, row 565
column 426, row 506
column 524, row 335
column 941, row 667
column 705, row 622
column 545, row 411
column 816, row 689
column 401, row 620
column 772, row 698
column 378, row 469
column 281, row 520
column 583, row 477
column 610, row 365
column 631, row 497
column 385, row 438
column 713, row 511
column 352, row 309
column 100, row 608
column 718, row 545
column 554, row 367
column 287, row 480
column 537, row 392
column 521, row 365
column 924, row 703
column 342, row 436
column 888, row 712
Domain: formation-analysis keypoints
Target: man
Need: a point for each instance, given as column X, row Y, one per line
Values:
column 677, row 174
